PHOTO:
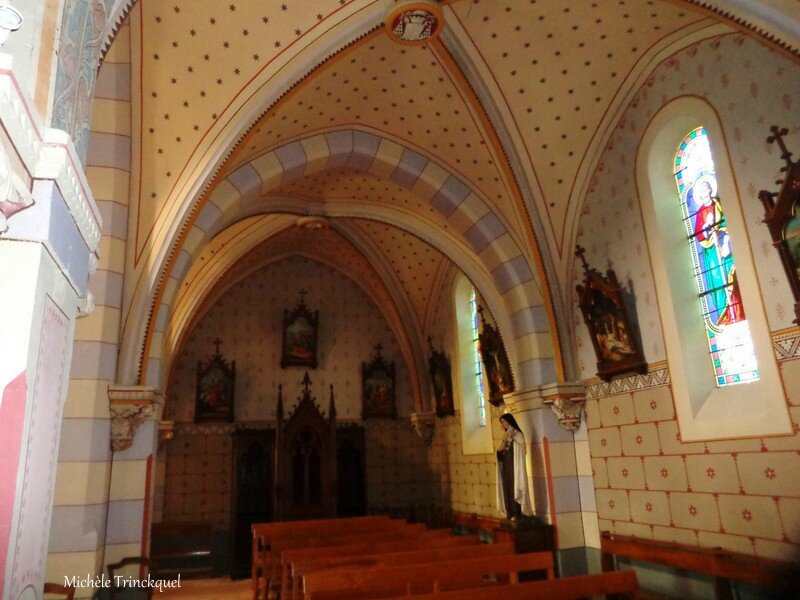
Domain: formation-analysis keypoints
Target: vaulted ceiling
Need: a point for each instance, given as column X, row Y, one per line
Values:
column 514, row 100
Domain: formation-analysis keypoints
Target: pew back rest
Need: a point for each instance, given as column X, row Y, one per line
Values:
column 434, row 575
column 620, row 584
column 316, row 558
column 722, row 565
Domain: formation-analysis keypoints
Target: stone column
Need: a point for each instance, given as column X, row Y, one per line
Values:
column 135, row 414
column 49, row 231
column 560, row 470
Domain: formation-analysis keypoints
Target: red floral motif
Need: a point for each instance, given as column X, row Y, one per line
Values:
column 624, row 472
column 610, row 504
column 693, row 510
column 769, row 473
column 653, row 404
column 649, row 507
column 603, row 442
column 616, row 410
column 711, row 473
column 639, row 440
column 664, row 473
column 747, row 515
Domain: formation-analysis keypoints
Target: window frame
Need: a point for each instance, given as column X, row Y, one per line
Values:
column 704, row 411
column 476, row 438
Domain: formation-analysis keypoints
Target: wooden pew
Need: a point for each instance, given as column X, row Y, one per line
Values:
column 418, row 556
column 300, row 559
column 619, row 583
column 380, row 582
column 723, row 566
column 278, row 545
column 183, row 548
column 263, row 532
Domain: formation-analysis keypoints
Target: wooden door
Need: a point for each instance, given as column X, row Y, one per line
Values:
column 351, row 472
column 252, row 498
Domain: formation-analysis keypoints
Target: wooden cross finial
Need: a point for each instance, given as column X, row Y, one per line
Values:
column 480, row 312
column 777, row 136
column 303, row 293
column 378, row 349
column 580, row 252
column 217, row 342
column 306, row 383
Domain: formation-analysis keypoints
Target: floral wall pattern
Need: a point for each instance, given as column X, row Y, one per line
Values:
column 738, row 494
column 79, row 51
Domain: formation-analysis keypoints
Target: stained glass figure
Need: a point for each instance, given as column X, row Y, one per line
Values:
column 726, row 325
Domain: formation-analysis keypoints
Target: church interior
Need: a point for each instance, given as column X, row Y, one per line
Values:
column 269, row 260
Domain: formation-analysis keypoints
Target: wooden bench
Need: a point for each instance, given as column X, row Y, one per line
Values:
column 619, row 584
column 278, row 545
column 262, row 533
column 183, row 548
column 349, row 584
column 721, row 565
column 294, row 562
column 418, row 556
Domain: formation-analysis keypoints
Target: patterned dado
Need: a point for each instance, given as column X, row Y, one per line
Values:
column 741, row 494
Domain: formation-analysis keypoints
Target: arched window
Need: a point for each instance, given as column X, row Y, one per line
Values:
column 476, row 357
column 469, row 384
column 732, row 354
column 706, row 407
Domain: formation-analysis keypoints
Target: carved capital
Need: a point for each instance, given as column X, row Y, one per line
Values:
column 130, row 406
column 566, row 400
column 424, row 425
column 166, row 431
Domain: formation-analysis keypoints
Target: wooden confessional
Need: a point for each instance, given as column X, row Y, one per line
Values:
column 302, row 468
column 306, row 462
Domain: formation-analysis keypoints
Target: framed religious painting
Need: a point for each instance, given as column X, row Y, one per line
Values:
column 442, row 382
column 377, row 387
column 782, row 216
column 495, row 362
column 216, row 382
column 300, row 327
column 610, row 329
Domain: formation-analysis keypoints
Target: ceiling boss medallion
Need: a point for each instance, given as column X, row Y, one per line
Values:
column 414, row 22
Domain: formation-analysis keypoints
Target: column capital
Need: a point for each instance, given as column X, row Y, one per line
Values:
column 566, row 399
column 424, row 424
column 130, row 406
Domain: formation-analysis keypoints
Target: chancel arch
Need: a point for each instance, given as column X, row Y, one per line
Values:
column 458, row 222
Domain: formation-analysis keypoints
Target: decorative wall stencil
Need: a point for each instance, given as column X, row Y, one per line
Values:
column 300, row 328
column 377, row 383
column 442, row 381
column 782, row 216
column 605, row 314
column 495, row 362
column 216, row 384
column 250, row 313
column 79, row 48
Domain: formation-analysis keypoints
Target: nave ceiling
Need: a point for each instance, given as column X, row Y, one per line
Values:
column 515, row 100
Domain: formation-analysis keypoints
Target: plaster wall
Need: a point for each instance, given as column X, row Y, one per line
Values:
column 740, row 494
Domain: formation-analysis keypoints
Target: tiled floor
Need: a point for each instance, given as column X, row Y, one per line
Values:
column 209, row 589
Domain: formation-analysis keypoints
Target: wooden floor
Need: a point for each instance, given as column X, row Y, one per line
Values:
column 209, row 589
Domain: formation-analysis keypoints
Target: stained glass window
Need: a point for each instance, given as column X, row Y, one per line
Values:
column 476, row 356
column 726, row 326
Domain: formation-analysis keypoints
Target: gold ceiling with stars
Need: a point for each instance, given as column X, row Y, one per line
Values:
column 515, row 99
